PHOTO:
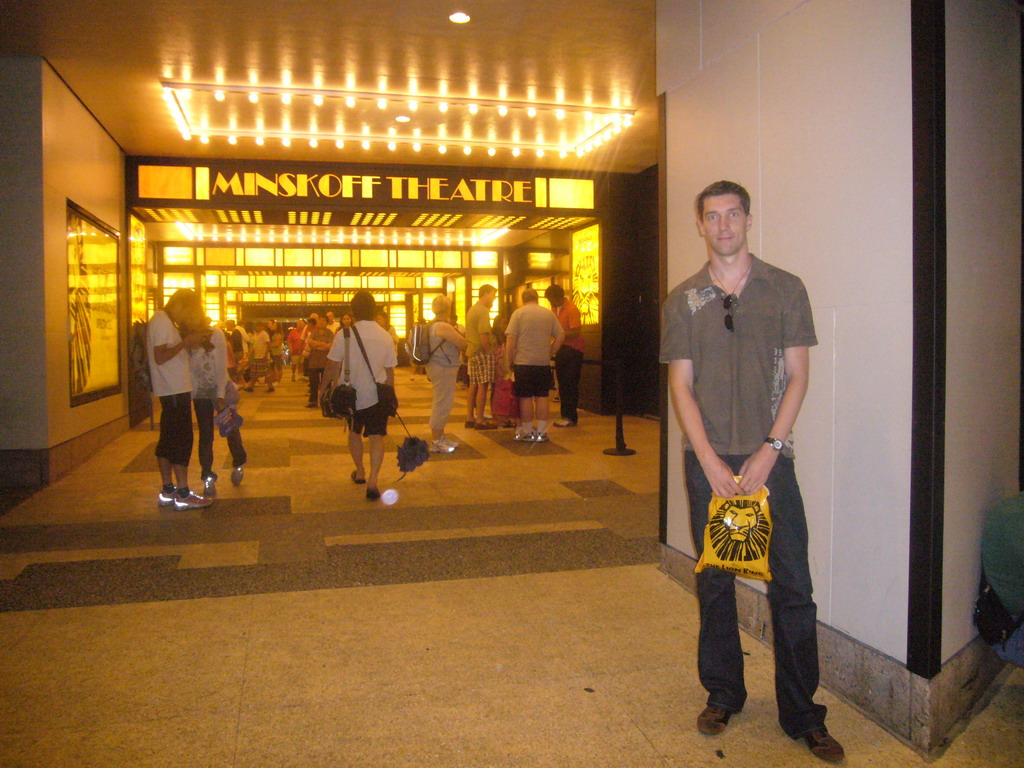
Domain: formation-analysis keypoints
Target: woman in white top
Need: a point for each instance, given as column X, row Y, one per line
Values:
column 208, row 364
column 446, row 344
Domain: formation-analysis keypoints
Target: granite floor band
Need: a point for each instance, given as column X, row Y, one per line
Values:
column 154, row 579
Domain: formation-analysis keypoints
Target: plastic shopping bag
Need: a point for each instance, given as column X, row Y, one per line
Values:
column 737, row 536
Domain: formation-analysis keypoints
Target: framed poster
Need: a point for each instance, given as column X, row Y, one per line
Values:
column 586, row 273
column 93, row 307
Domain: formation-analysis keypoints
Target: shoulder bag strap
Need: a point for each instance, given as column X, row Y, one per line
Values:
column 440, row 342
column 347, row 369
column 363, row 350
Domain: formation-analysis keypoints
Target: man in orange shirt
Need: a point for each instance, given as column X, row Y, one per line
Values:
column 569, row 358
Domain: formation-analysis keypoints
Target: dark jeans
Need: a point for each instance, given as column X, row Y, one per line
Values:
column 314, row 384
column 204, row 420
column 794, row 615
column 568, row 364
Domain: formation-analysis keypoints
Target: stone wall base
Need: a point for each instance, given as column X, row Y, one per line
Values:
column 26, row 468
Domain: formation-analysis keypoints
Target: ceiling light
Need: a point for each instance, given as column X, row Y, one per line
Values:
column 204, row 139
column 413, row 106
column 339, row 144
column 490, row 151
column 366, row 145
column 459, row 17
column 467, row 150
column 532, row 111
column 254, row 97
column 286, row 98
column 218, row 95
column 416, row 147
column 502, row 110
column 442, row 148
column 442, row 106
column 540, row 153
column 392, row 146
column 473, row 109
column 286, row 142
column 350, row 102
column 318, row 100
column 382, row 103
column 515, row 151
column 560, row 114
column 259, row 141
column 313, row 143
column 402, row 119
column 232, row 140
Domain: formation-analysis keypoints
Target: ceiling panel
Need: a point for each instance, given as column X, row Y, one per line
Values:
column 116, row 58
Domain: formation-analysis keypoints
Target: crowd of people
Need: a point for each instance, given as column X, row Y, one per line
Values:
column 198, row 366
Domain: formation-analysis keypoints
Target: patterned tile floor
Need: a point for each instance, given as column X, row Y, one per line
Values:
column 506, row 611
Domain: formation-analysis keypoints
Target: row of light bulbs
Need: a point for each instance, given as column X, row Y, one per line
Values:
column 485, row 237
column 617, row 119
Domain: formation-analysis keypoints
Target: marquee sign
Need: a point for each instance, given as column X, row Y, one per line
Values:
column 225, row 183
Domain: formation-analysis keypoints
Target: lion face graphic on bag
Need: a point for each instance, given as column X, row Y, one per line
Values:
column 739, row 530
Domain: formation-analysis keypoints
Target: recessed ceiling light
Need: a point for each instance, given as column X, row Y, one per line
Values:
column 402, row 119
column 459, row 17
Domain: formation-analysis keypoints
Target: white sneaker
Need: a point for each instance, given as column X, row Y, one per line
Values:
column 451, row 441
column 165, row 499
column 440, row 446
column 192, row 501
column 523, row 437
column 539, row 437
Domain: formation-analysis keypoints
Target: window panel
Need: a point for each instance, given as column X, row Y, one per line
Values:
column 448, row 259
column 373, row 258
column 259, row 257
column 412, row 259
column 337, row 257
column 485, row 259
column 298, row 257
column 177, row 255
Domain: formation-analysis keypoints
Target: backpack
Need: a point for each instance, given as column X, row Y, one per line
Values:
column 418, row 344
column 138, row 355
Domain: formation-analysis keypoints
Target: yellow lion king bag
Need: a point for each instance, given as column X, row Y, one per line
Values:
column 737, row 535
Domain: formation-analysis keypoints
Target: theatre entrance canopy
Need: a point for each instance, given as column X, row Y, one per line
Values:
column 276, row 238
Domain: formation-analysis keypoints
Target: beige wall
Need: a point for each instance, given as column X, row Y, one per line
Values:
column 808, row 105
column 81, row 163
column 22, row 378
column 983, row 207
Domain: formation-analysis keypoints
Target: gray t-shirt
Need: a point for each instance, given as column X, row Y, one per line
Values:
column 739, row 376
column 535, row 327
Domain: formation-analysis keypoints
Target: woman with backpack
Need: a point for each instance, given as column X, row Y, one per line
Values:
column 445, row 344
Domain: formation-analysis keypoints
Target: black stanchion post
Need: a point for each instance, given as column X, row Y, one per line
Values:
column 620, row 448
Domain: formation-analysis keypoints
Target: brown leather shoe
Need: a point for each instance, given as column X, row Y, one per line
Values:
column 824, row 746
column 713, row 720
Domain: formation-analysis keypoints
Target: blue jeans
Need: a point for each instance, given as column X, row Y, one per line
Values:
column 794, row 615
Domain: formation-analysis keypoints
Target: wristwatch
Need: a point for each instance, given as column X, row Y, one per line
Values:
column 774, row 443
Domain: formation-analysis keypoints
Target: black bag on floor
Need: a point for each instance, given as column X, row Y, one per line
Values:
column 995, row 624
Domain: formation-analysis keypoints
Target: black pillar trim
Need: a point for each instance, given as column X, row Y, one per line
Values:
column 927, row 461
column 663, row 398
column 1020, row 454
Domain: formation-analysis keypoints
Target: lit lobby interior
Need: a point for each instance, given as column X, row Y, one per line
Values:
column 512, row 605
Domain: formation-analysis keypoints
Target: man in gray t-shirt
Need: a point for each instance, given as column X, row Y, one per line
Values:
column 534, row 336
column 736, row 336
